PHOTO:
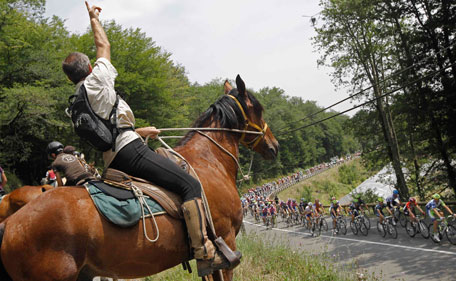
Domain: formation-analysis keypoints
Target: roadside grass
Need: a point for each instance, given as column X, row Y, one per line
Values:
column 271, row 261
column 337, row 181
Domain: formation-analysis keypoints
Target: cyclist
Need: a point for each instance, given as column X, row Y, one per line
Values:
column 432, row 209
column 264, row 211
column 318, row 207
column 379, row 209
column 309, row 212
column 335, row 210
column 294, row 205
column 409, row 209
column 302, row 205
column 393, row 201
column 356, row 206
column 272, row 212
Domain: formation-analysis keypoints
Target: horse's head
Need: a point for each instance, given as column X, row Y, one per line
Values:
column 252, row 115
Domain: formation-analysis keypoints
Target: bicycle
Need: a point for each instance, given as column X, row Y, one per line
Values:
column 245, row 211
column 387, row 226
column 359, row 225
column 341, row 226
column 322, row 223
column 447, row 228
column 367, row 220
column 295, row 218
column 290, row 219
column 257, row 217
column 284, row 215
column 315, row 228
column 412, row 227
column 399, row 216
column 273, row 220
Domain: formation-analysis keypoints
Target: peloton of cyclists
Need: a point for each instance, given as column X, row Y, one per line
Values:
column 432, row 209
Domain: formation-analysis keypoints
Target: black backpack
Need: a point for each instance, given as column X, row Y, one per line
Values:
column 98, row 132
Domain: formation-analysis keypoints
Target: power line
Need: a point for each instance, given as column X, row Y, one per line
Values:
column 369, row 101
column 368, row 88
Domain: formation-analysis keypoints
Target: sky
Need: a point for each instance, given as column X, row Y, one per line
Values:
column 267, row 42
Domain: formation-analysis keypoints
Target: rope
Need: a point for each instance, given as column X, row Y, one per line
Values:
column 142, row 202
column 212, row 129
column 224, row 150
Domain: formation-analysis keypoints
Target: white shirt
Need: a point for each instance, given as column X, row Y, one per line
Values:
column 101, row 94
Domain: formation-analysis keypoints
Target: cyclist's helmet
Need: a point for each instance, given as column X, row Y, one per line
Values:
column 436, row 196
column 357, row 196
column 412, row 200
column 355, row 200
column 302, row 199
column 395, row 192
column 309, row 204
column 54, row 147
column 335, row 202
column 380, row 199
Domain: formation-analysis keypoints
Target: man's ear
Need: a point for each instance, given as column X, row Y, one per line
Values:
column 90, row 68
column 227, row 87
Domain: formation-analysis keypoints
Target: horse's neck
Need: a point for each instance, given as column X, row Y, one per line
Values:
column 200, row 149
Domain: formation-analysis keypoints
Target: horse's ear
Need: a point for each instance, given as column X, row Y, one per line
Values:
column 241, row 89
column 227, row 87
column 240, row 85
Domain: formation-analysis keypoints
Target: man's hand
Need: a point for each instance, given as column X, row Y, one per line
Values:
column 152, row 132
column 94, row 11
column 101, row 40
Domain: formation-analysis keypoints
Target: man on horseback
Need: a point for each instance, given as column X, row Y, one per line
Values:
column 132, row 156
column 67, row 164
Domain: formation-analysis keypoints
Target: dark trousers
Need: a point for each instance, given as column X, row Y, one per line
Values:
column 138, row 160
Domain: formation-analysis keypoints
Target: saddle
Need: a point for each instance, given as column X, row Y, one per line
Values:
column 170, row 201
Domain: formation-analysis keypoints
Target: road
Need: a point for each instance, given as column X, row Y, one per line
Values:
column 403, row 258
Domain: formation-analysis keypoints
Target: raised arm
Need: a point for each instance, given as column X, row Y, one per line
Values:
column 101, row 40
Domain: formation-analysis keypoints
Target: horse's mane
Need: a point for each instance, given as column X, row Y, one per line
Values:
column 225, row 113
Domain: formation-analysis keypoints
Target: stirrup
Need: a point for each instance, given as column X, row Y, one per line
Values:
column 234, row 258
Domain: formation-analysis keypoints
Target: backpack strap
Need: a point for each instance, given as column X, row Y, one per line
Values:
column 115, row 130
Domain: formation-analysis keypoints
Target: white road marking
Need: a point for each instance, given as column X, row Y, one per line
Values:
column 361, row 241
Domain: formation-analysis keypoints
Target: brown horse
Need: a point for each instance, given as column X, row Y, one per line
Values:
column 63, row 237
column 16, row 199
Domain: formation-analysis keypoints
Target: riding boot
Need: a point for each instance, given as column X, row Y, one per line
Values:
column 208, row 258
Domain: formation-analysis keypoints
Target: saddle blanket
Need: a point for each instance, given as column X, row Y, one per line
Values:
column 121, row 212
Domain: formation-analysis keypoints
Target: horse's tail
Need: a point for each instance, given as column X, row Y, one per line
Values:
column 3, row 274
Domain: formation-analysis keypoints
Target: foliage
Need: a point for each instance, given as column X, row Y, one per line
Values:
column 394, row 46
column 369, row 196
column 34, row 93
column 280, row 263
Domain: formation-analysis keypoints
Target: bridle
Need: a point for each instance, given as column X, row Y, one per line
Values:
column 253, row 143
column 249, row 144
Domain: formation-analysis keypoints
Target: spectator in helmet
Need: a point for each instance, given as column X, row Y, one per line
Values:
column 68, row 165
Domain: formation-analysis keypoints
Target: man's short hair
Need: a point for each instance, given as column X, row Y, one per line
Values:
column 76, row 66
